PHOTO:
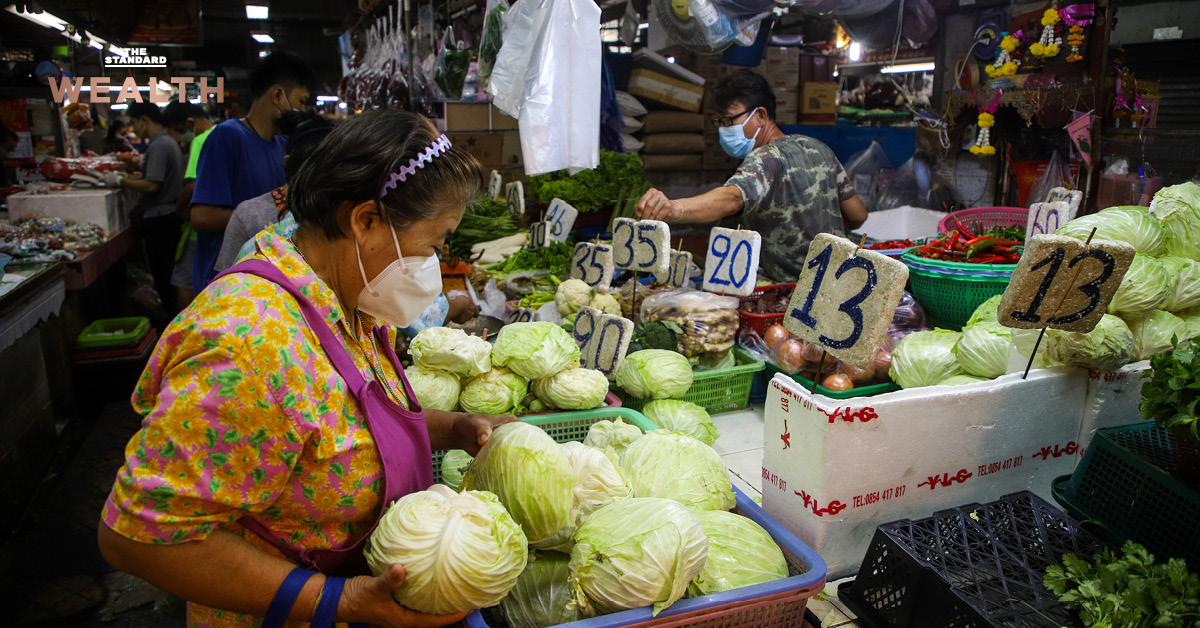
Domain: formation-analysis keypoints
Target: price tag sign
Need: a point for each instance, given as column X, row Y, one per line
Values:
column 603, row 340
column 495, row 186
column 643, row 246
column 539, row 235
column 845, row 299
column 1071, row 197
column 561, row 218
column 731, row 266
column 681, row 268
column 1061, row 283
column 593, row 264
column 1046, row 218
column 522, row 315
column 514, row 196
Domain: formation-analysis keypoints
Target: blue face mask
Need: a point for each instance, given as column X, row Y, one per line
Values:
column 733, row 139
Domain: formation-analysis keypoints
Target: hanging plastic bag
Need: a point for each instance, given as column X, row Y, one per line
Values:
column 1057, row 174
column 453, row 61
column 864, row 170
column 916, row 185
column 490, row 41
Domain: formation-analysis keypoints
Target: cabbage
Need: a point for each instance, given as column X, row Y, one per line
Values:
column 1184, row 275
column 682, row 416
column 616, row 434
column 598, row 481
column 573, row 389
column 460, row 551
column 983, row 349
column 959, row 380
column 1177, row 208
column 454, row 463
column 497, row 391
column 541, row 594
column 988, row 311
column 1108, row 347
column 528, row 472
column 740, row 553
column 655, row 374
column 451, row 350
column 1127, row 224
column 924, row 358
column 633, row 553
column 679, row 467
column 1143, row 290
column 434, row 389
column 535, row 350
column 1024, row 340
column 1154, row 334
column 1190, row 327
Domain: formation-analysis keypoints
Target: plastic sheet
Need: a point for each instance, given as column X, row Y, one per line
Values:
column 864, row 170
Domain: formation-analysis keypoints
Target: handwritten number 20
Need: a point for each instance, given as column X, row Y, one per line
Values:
column 732, row 258
column 850, row 307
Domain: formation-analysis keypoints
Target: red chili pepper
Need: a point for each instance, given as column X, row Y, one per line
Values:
column 991, row 259
column 963, row 229
column 953, row 239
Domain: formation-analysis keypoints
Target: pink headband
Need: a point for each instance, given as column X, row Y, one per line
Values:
column 438, row 147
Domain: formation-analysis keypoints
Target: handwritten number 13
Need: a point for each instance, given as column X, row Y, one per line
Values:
column 850, row 307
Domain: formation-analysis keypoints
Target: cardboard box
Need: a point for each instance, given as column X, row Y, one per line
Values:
column 834, row 470
column 787, row 98
column 106, row 208
column 781, row 61
column 664, row 90
column 786, row 115
column 818, row 98
column 486, row 146
column 475, row 116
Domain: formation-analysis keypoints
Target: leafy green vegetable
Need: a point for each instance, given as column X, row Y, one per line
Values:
column 676, row 466
column 1130, row 591
column 535, row 350
column 1172, row 396
column 591, row 190
column 616, row 434
column 434, row 388
column 540, row 597
column 682, row 416
column 1177, row 208
column 572, row 389
column 740, row 553
column 1108, row 347
column 983, row 349
column 655, row 374
column 498, row 391
column 987, row 311
column 925, row 358
column 483, row 221
column 454, row 463
column 1127, row 224
column 656, row 335
column 555, row 258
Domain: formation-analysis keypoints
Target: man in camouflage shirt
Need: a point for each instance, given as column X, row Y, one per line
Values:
column 789, row 188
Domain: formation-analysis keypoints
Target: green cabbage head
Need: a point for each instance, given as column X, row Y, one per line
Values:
column 987, row 311
column 655, row 374
column 740, row 553
column 983, row 349
column 682, row 416
column 1190, row 327
column 616, row 434
column 1108, row 347
column 573, row 389
column 454, row 463
column 1177, row 208
column 925, row 358
column 1143, row 290
column 498, row 391
column 1154, row 334
column 451, row 350
column 460, row 551
column 434, row 389
column 542, row 592
column 634, row 553
column 676, row 466
column 1129, row 224
column 1184, row 276
column 959, row 380
column 535, row 350
column 528, row 472
column 598, row 482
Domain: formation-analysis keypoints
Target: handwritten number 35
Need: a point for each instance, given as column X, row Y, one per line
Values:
column 850, row 307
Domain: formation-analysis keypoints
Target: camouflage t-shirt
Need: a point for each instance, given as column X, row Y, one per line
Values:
column 792, row 190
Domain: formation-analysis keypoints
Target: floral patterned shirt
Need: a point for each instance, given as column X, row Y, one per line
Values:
column 246, row 416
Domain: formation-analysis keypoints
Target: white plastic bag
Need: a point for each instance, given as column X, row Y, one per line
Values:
column 547, row 75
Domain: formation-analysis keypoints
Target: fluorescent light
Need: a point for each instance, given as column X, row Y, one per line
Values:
column 262, row 38
column 119, row 107
column 341, row 105
column 120, row 52
column 164, row 86
column 835, row 74
column 262, row 54
column 195, row 101
column 327, row 99
column 257, row 12
column 670, row 59
column 855, row 51
column 643, row 26
column 910, row 67
column 45, row 18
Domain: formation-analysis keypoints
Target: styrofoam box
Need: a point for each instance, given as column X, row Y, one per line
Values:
column 835, row 470
column 902, row 223
column 106, row 208
column 1112, row 399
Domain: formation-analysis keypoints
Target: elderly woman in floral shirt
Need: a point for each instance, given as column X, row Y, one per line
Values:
column 278, row 422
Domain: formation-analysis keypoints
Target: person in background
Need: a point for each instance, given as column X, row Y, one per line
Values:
column 116, row 142
column 789, row 188
column 198, row 126
column 243, row 157
column 8, row 144
column 154, row 218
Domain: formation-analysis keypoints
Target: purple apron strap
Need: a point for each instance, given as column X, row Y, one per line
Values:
column 390, row 351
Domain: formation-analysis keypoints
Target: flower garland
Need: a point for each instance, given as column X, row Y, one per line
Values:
column 987, row 120
column 1120, row 105
column 1076, row 17
column 1004, row 64
column 1050, row 43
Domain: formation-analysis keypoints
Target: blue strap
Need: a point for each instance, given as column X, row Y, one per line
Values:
column 327, row 608
column 285, row 597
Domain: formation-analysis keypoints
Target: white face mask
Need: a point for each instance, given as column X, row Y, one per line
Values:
column 401, row 291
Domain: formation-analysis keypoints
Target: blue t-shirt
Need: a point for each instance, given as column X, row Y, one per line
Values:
column 235, row 165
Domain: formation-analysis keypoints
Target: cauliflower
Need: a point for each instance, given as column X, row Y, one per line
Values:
column 571, row 295
column 606, row 303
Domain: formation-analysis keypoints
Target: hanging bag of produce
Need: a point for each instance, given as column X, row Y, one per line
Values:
column 453, row 61
column 490, row 41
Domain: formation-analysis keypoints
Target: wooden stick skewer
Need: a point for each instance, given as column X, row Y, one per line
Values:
column 1087, row 244
column 820, row 370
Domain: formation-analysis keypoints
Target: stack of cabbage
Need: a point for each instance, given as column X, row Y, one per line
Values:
column 655, row 374
column 609, row 530
column 455, row 370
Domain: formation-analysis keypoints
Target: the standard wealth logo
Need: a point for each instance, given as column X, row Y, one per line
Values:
column 135, row 58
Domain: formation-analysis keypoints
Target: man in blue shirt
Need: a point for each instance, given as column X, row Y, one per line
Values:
column 243, row 158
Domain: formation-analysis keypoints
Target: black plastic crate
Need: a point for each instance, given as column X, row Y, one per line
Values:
column 967, row 567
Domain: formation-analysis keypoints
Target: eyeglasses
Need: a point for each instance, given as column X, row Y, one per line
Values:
column 728, row 120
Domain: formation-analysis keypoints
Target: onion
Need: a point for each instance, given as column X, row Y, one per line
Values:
column 789, row 355
column 813, row 353
column 883, row 364
column 775, row 334
column 860, row 377
column 837, row 382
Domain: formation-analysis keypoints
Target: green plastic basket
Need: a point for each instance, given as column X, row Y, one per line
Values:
column 951, row 291
column 1127, row 481
column 566, row 426
column 111, row 333
column 863, row 391
column 722, row 390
